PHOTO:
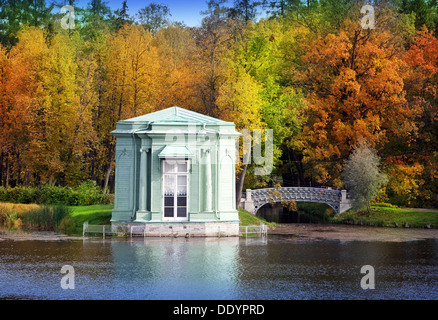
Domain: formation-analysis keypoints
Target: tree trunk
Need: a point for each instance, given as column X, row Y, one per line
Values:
column 1, row 169
column 239, row 184
column 7, row 173
column 108, row 172
column 52, row 181
column 27, row 178
column 18, row 168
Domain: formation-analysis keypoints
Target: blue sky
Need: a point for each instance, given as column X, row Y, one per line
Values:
column 187, row 11
column 182, row 10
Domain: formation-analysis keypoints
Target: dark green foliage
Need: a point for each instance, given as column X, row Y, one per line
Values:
column 121, row 17
column 315, row 212
column 154, row 16
column 425, row 12
column 246, row 9
column 16, row 13
column 87, row 193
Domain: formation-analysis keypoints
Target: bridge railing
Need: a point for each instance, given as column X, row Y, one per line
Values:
column 252, row 200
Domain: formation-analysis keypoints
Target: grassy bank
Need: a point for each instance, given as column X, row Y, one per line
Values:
column 70, row 219
column 95, row 214
column 34, row 217
column 248, row 219
column 40, row 217
column 52, row 218
column 389, row 216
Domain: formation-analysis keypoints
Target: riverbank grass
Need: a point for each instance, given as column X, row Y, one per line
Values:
column 389, row 216
column 94, row 214
column 248, row 219
column 34, row 217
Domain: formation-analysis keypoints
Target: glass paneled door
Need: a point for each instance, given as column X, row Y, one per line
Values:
column 175, row 181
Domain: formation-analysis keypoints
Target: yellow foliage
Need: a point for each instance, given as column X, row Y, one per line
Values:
column 405, row 181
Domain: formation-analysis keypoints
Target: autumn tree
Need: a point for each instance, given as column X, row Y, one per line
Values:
column 51, row 103
column 131, row 86
column 240, row 101
column 354, row 89
column 178, row 54
column 255, row 96
column 308, row 71
column 213, row 39
column 263, row 51
column 420, row 166
column 15, row 86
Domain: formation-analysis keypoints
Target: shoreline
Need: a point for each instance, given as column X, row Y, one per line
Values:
column 344, row 232
column 298, row 231
column 35, row 236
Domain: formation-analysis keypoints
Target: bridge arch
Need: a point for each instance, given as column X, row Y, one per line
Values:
column 253, row 200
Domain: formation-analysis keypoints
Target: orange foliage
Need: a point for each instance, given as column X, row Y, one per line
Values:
column 355, row 90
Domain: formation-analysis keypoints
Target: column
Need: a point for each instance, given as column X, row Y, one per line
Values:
column 143, row 180
column 208, row 185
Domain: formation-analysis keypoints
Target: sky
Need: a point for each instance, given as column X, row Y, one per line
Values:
column 187, row 11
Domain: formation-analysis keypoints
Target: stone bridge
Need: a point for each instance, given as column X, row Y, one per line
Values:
column 253, row 200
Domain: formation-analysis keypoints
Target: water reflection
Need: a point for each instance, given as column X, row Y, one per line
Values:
column 226, row 268
column 177, row 268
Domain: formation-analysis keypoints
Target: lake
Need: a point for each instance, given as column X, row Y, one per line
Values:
column 278, row 267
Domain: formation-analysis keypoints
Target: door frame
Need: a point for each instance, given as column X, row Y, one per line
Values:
column 175, row 217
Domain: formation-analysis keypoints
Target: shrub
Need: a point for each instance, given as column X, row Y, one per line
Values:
column 87, row 193
column 67, row 225
column 54, row 195
column 26, row 195
column 362, row 175
column 90, row 193
column 384, row 204
column 12, row 221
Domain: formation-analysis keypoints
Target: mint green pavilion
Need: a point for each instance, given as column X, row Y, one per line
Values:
column 175, row 174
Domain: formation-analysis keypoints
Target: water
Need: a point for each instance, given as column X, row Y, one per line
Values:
column 210, row 269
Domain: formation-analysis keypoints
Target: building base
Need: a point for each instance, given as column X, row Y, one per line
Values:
column 178, row 229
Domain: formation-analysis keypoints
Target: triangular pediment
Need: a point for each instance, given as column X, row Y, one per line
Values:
column 176, row 114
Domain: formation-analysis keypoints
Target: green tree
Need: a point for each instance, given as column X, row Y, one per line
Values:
column 362, row 175
column 17, row 13
column 121, row 16
column 95, row 17
column 153, row 16
column 425, row 12
column 246, row 9
column 99, row 8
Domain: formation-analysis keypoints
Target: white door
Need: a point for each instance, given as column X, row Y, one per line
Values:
column 175, row 190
